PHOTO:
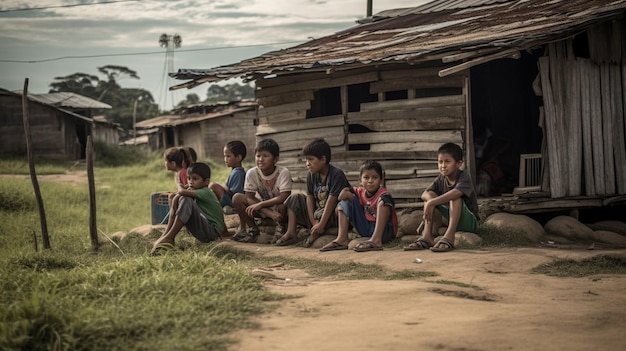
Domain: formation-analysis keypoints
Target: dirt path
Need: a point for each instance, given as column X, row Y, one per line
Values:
column 511, row 309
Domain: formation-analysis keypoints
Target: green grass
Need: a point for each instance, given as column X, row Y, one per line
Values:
column 119, row 298
column 600, row 264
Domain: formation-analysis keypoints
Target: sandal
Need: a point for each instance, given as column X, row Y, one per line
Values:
column 367, row 245
column 162, row 248
column 448, row 245
column 286, row 241
column 419, row 244
column 239, row 236
column 333, row 246
column 251, row 235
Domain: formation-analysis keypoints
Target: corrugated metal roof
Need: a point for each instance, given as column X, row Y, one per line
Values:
column 179, row 120
column 423, row 33
column 33, row 99
column 69, row 100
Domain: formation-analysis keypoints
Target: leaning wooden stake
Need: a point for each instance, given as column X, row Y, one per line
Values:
column 31, row 165
column 93, row 230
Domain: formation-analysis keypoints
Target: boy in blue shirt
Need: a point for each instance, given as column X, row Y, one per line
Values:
column 316, row 210
column 234, row 153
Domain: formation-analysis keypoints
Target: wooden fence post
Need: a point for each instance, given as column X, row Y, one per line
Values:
column 31, row 166
column 93, row 229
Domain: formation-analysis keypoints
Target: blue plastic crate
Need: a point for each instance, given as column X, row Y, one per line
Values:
column 159, row 208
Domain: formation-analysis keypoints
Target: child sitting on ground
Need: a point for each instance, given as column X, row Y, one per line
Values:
column 316, row 210
column 177, row 159
column 266, row 187
column 369, row 209
column 234, row 153
column 452, row 196
column 197, row 209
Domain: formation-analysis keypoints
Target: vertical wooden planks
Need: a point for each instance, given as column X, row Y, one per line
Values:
column 584, row 69
column 607, row 126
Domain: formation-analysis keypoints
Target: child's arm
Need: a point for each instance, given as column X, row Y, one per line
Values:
column 431, row 201
column 329, row 209
column 187, row 193
column 258, row 205
column 346, row 194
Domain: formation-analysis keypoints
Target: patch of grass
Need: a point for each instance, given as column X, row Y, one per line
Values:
column 113, row 156
column 600, row 264
column 141, row 303
column 493, row 236
column 19, row 165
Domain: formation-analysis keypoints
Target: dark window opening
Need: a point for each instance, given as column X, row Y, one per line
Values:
column 358, row 94
column 396, row 95
column 423, row 93
column 326, row 102
column 581, row 45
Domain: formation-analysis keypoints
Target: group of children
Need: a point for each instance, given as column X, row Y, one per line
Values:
column 264, row 191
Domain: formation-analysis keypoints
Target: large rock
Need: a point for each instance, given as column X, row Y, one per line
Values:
column 467, row 239
column 531, row 228
column 408, row 223
column 608, row 237
column 611, row 226
column 568, row 227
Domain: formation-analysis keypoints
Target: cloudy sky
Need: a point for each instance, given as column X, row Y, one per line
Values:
column 44, row 39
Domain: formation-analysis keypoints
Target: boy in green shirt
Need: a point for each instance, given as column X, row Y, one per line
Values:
column 197, row 209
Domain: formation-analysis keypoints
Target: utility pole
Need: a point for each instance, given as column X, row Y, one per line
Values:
column 369, row 8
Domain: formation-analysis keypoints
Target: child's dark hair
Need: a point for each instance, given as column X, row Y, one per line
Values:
column 201, row 169
column 269, row 145
column 181, row 156
column 237, row 147
column 453, row 150
column 372, row 165
column 192, row 153
column 317, row 147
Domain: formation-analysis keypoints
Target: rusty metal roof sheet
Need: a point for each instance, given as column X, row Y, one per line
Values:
column 179, row 120
column 69, row 100
column 424, row 33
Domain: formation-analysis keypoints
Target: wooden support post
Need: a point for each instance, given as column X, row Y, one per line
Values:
column 31, row 165
column 93, row 229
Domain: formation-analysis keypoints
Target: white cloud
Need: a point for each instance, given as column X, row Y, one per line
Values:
column 131, row 27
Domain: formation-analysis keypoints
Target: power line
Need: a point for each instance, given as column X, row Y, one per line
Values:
column 69, row 5
column 145, row 53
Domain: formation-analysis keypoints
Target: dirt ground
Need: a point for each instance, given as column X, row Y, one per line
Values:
column 506, row 307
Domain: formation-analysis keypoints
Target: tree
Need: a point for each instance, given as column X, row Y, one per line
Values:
column 190, row 99
column 229, row 92
column 109, row 91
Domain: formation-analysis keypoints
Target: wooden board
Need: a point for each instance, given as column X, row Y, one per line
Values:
column 416, row 137
column 285, row 108
column 450, row 100
column 286, row 98
column 404, row 114
column 322, row 83
column 405, row 83
column 306, row 124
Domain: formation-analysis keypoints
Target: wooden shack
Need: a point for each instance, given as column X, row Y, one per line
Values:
column 206, row 128
column 58, row 131
column 532, row 90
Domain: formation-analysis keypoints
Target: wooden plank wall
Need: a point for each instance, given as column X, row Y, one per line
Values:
column 403, row 135
column 53, row 132
column 216, row 132
column 584, row 108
